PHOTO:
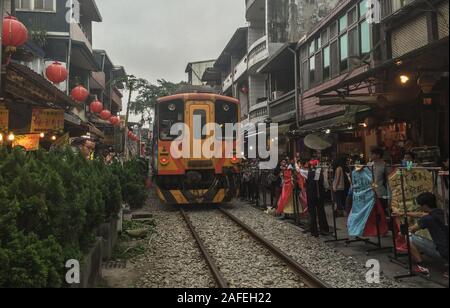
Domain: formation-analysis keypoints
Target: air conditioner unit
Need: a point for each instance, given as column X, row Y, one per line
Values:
column 277, row 94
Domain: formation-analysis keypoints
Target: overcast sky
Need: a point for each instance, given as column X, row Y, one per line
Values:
column 157, row 38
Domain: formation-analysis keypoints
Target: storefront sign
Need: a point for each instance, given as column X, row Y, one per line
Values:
column 47, row 120
column 416, row 182
column 4, row 118
column 29, row 142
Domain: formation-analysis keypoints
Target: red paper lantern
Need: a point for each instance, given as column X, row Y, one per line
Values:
column 14, row 33
column 79, row 93
column 56, row 73
column 96, row 106
column 114, row 121
column 105, row 115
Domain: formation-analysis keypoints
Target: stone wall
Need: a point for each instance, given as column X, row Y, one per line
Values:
column 289, row 20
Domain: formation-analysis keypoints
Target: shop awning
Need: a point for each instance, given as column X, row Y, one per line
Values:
column 355, row 100
column 339, row 122
column 358, row 75
column 72, row 118
column 94, row 130
column 27, row 85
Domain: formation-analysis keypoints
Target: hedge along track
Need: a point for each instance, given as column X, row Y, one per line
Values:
column 310, row 279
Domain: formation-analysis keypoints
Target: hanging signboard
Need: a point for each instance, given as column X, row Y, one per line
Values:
column 29, row 142
column 416, row 182
column 44, row 120
column 4, row 118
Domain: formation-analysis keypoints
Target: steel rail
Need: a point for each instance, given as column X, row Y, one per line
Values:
column 310, row 279
column 217, row 275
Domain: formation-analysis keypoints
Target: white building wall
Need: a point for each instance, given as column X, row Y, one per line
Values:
column 257, row 88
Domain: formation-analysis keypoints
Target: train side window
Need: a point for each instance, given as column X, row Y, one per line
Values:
column 170, row 113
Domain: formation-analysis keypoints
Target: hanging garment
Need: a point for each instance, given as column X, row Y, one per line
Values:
column 371, row 226
column 362, row 218
column 285, row 204
column 303, row 197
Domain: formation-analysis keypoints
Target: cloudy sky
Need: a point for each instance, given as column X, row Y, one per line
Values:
column 157, row 38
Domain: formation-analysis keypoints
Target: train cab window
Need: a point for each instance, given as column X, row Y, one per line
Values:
column 226, row 113
column 170, row 113
column 200, row 113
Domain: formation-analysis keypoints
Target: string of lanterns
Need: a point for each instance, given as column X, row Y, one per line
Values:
column 132, row 136
column 14, row 35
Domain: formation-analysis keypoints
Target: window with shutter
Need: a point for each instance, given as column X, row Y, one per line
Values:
column 305, row 75
column 343, row 52
column 334, row 59
column 353, row 47
column 318, row 66
column 326, row 63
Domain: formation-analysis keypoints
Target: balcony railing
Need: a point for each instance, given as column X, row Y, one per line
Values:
column 78, row 34
column 389, row 7
column 116, row 98
column 227, row 83
column 258, row 52
column 240, row 68
column 98, row 80
column 283, row 108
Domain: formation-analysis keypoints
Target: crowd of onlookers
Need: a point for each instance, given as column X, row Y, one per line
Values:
column 300, row 188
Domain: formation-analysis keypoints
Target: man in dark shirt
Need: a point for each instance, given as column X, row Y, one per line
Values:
column 432, row 219
column 434, row 222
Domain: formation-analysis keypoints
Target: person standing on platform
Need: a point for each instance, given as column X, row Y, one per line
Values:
column 380, row 173
column 340, row 185
column 316, row 200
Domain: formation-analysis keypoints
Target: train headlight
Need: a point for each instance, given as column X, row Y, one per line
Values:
column 226, row 108
column 172, row 107
column 164, row 161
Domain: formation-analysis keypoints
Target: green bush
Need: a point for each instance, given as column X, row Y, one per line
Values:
column 50, row 207
column 132, row 176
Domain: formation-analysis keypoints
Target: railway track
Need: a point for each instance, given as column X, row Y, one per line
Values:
column 309, row 279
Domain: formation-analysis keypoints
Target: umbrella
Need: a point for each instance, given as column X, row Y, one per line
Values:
column 318, row 142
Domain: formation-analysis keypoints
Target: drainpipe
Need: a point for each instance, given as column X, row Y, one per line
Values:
column 298, row 113
column 69, row 56
column 1, row 49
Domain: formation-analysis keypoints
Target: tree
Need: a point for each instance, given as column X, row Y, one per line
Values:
column 132, row 84
column 148, row 95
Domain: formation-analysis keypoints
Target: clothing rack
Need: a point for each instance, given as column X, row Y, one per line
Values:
column 404, row 229
column 335, row 232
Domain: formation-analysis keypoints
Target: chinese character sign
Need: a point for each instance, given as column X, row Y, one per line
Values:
column 416, row 182
column 28, row 142
column 47, row 120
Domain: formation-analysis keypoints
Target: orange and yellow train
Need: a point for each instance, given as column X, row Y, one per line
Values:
column 194, row 180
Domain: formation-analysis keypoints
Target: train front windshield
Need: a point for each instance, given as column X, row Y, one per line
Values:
column 226, row 113
column 170, row 113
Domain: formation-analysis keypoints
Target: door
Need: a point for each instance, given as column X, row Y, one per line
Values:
column 198, row 115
